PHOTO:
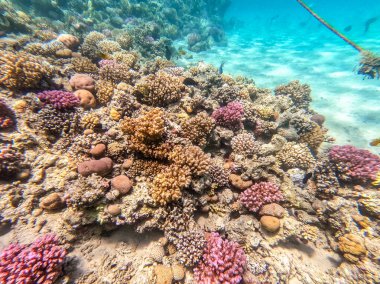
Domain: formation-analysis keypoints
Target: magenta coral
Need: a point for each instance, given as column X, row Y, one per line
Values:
column 40, row 262
column 229, row 116
column 7, row 117
column 260, row 194
column 223, row 262
column 354, row 163
column 59, row 99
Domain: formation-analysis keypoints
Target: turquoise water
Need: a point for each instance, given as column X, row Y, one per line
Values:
column 278, row 41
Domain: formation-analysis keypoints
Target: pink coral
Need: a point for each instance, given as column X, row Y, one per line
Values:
column 353, row 163
column 7, row 117
column 260, row 194
column 59, row 99
column 223, row 262
column 40, row 262
column 229, row 116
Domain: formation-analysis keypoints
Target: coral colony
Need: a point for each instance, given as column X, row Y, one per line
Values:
column 155, row 173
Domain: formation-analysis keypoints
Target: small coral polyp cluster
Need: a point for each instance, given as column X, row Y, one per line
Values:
column 99, row 142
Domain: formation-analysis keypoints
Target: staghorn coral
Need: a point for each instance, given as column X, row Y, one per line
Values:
column 244, row 144
column 299, row 93
column 355, row 164
column 197, row 129
column 294, row 155
column 223, row 261
column 167, row 186
column 7, row 116
column 21, row 70
column 159, row 89
column 260, row 194
column 44, row 49
column 128, row 59
column 191, row 157
column 60, row 100
column 38, row 262
column 189, row 246
column 104, row 91
column 229, row 116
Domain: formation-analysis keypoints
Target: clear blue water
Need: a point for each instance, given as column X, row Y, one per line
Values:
column 277, row 41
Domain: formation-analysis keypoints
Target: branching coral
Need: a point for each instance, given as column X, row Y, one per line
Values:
column 104, row 91
column 225, row 94
column 60, row 100
column 167, row 186
column 354, row 164
column 10, row 160
column 159, row 89
column 83, row 65
column 7, row 116
column 314, row 138
column 260, row 194
column 244, row 144
column 294, row 155
column 197, row 129
column 115, row 72
column 229, row 116
column 299, row 93
column 21, row 70
column 89, row 47
column 38, row 262
column 189, row 246
column 223, row 261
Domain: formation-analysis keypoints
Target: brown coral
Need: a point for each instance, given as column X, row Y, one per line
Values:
column 244, row 144
column 159, row 89
column 314, row 138
column 198, row 128
column 352, row 247
column 299, row 93
column 104, row 91
column 90, row 121
column 191, row 157
column 294, row 155
column 83, row 65
column 21, row 70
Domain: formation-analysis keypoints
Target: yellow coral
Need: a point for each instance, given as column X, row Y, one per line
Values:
column 90, row 121
column 314, row 138
column 376, row 182
column 104, row 91
column 352, row 247
column 114, row 114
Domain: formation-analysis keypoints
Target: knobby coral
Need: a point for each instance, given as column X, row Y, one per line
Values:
column 60, row 100
column 38, row 262
column 229, row 116
column 223, row 261
column 260, row 194
column 354, row 164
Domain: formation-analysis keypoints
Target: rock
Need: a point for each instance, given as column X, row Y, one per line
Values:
column 82, row 82
column 53, row 201
column 99, row 150
column 272, row 209
column 114, row 209
column 178, row 272
column 87, row 100
column 100, row 167
column 239, row 183
column 352, row 247
column 63, row 53
column 164, row 274
column 122, row 183
column 270, row 223
column 69, row 40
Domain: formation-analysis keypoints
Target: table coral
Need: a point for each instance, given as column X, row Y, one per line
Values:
column 229, row 116
column 354, row 164
column 7, row 116
column 260, row 194
column 21, row 70
column 38, row 262
column 223, row 261
column 159, row 89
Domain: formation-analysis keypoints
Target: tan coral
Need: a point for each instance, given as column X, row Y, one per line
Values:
column 294, row 155
column 164, row 274
column 192, row 157
column 104, row 91
column 197, row 129
column 83, row 65
column 159, row 89
column 352, row 247
column 115, row 115
column 90, row 121
column 314, row 138
column 309, row 233
column 167, row 186
column 21, row 70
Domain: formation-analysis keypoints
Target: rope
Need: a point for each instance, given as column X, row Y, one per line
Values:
column 327, row 25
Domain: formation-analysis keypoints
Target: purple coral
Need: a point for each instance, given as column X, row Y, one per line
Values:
column 223, row 261
column 7, row 116
column 229, row 116
column 354, row 163
column 60, row 100
column 260, row 194
column 38, row 262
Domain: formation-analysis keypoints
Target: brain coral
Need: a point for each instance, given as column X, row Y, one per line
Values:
column 21, row 70
column 7, row 116
column 223, row 261
column 159, row 89
column 38, row 262
column 354, row 164
column 260, row 194
column 294, row 155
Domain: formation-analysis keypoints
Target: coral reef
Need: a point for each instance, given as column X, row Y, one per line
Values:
column 60, row 100
column 260, row 194
column 229, row 116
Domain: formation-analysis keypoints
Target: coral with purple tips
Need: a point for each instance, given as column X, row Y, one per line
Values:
column 229, row 116
column 60, row 100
